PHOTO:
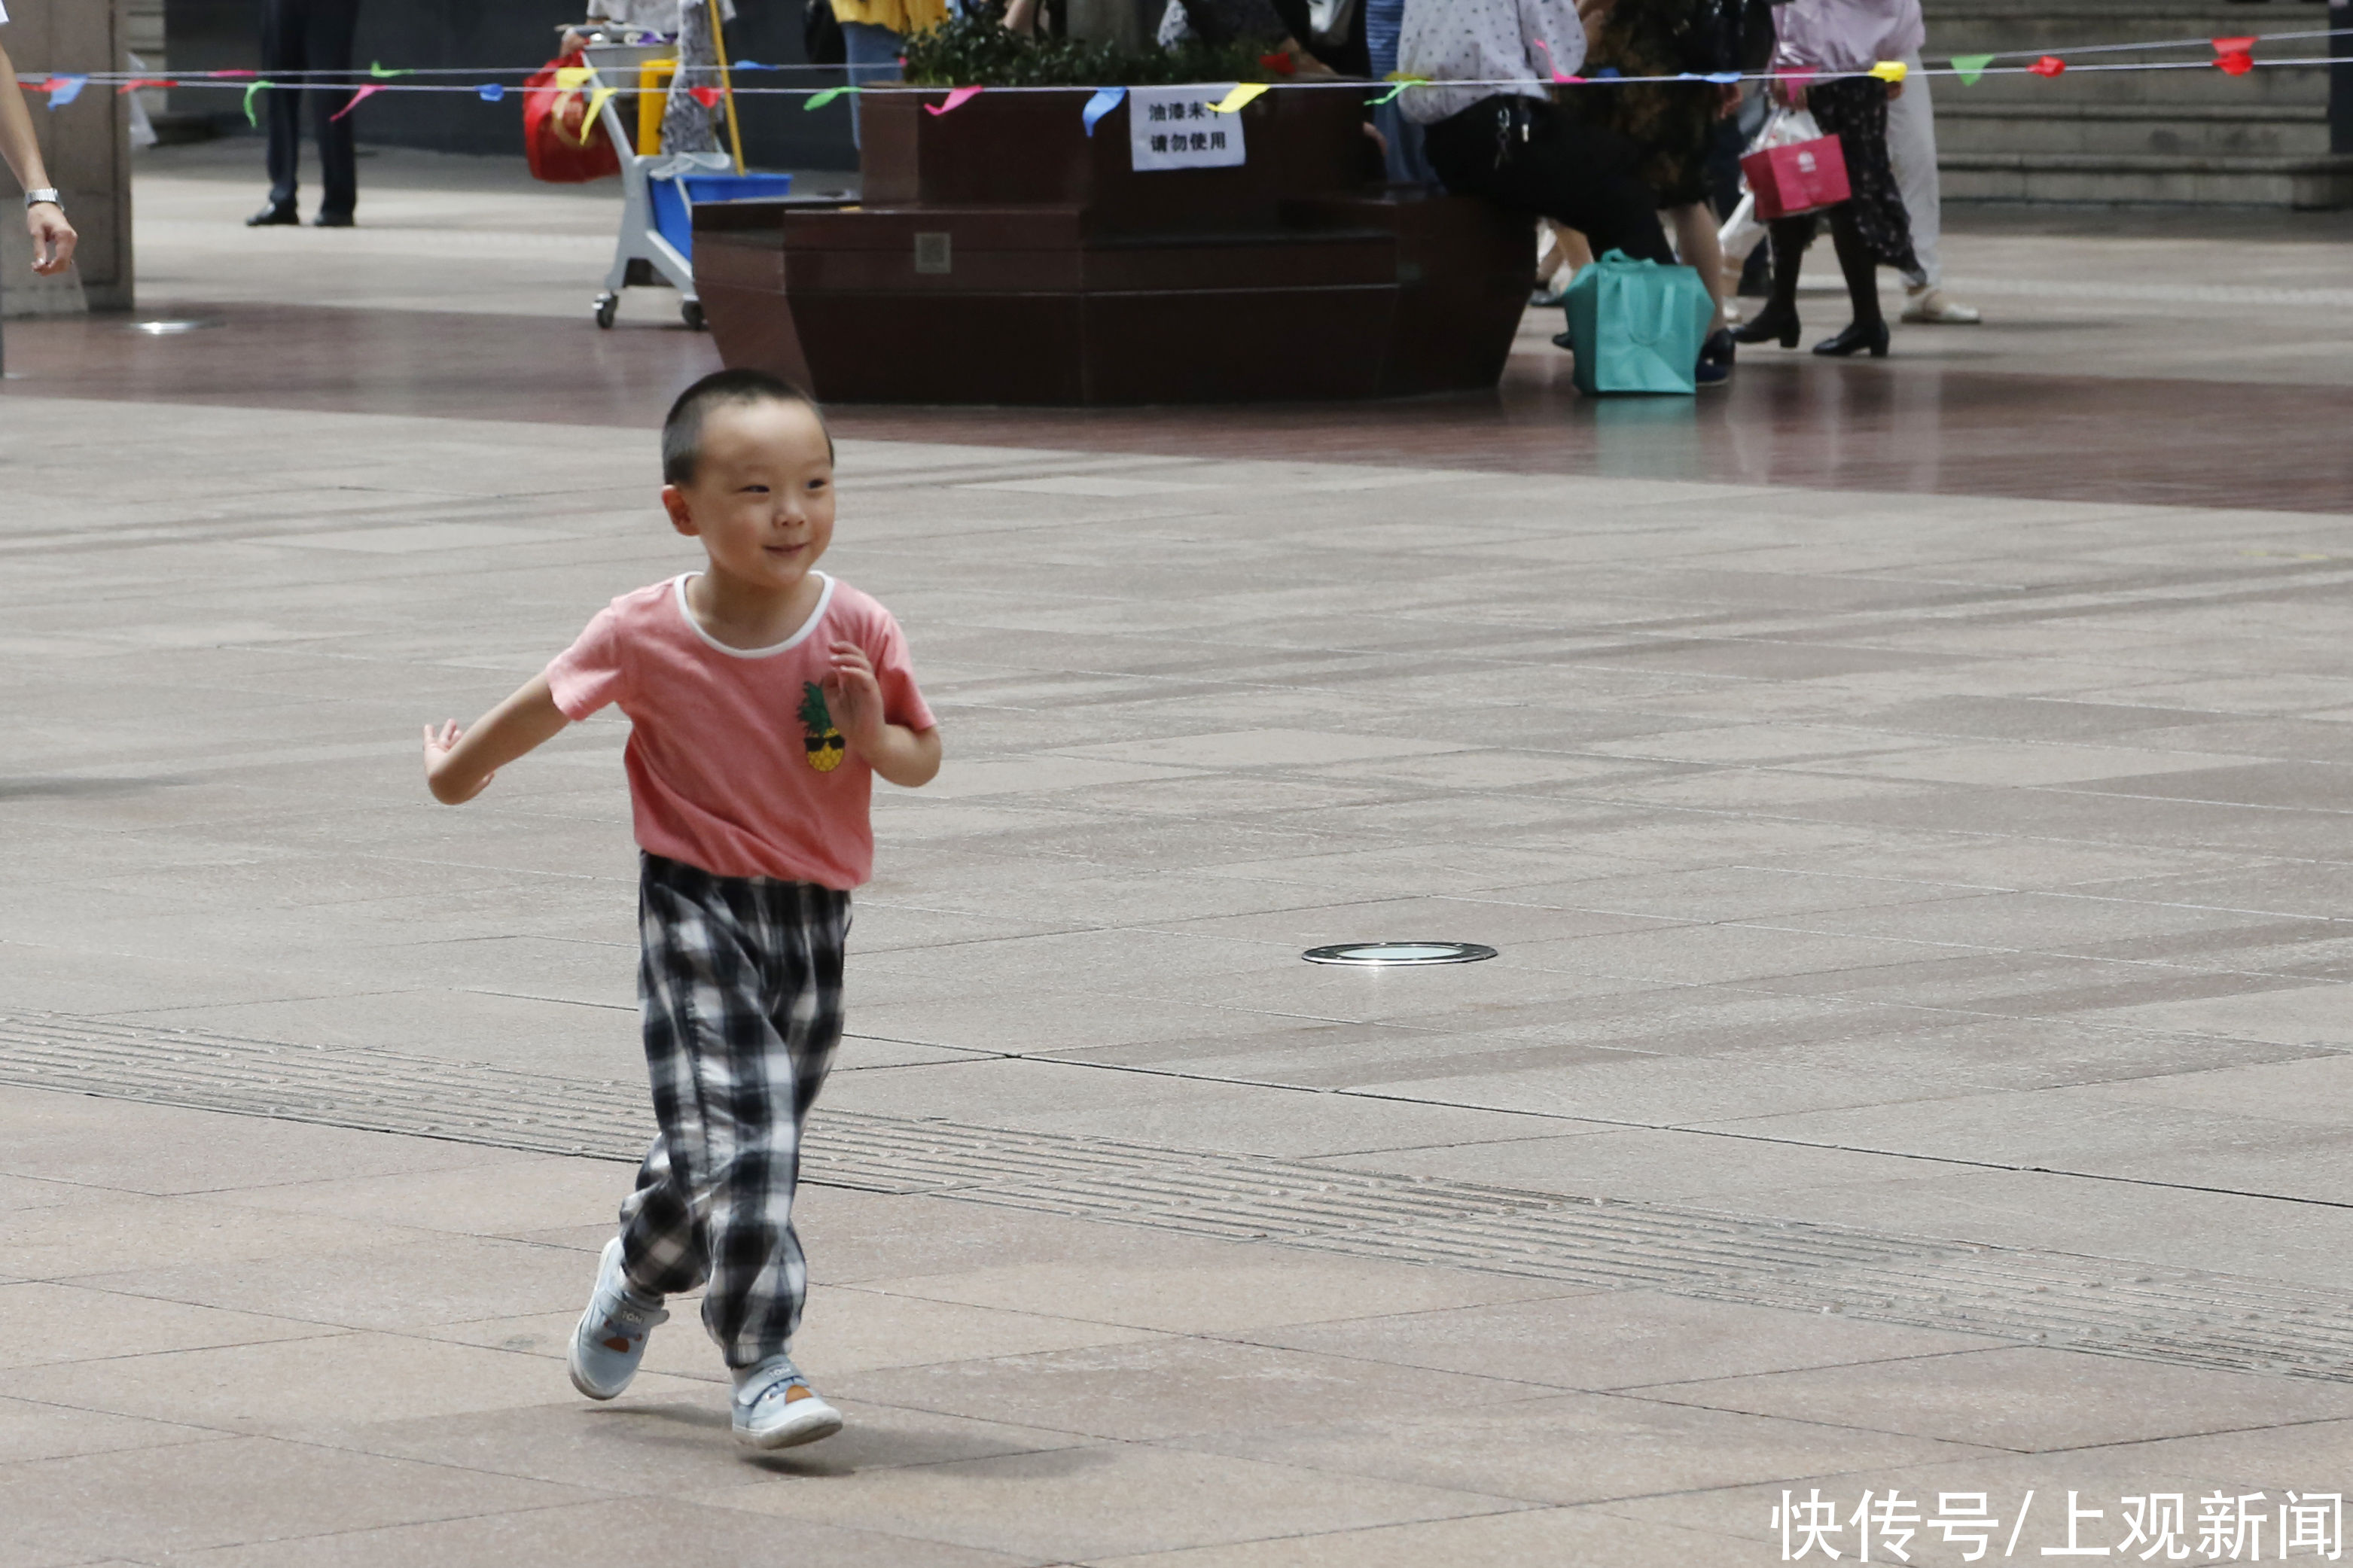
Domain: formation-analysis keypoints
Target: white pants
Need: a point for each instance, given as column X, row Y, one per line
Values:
column 1912, row 147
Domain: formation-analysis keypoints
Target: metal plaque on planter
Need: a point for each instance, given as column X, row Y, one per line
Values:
column 1174, row 128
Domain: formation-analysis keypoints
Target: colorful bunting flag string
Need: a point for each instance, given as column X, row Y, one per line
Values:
column 2232, row 56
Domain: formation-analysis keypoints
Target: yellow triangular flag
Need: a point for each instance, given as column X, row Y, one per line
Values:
column 1232, row 102
column 596, row 101
column 571, row 76
column 1891, row 71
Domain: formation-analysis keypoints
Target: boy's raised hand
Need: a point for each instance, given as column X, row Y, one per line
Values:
column 855, row 698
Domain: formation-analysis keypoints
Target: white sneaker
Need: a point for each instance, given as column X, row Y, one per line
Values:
column 1932, row 307
column 777, row 1408
column 610, row 1340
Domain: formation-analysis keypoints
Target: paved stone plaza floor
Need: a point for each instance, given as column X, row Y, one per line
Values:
column 1917, row 1059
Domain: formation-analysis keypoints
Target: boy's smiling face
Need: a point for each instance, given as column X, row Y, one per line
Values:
column 762, row 497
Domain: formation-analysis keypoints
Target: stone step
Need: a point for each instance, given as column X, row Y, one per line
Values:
column 2103, row 130
column 2167, row 138
column 2146, row 179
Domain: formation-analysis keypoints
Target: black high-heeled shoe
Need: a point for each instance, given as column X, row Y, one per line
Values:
column 1718, row 348
column 1856, row 336
column 1769, row 325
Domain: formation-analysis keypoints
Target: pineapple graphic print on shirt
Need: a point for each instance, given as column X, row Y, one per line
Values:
column 822, row 741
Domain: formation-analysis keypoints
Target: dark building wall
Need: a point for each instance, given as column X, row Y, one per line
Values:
column 224, row 35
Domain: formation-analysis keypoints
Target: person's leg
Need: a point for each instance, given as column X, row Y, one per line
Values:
column 1912, row 148
column 759, row 1277
column 328, row 48
column 281, row 52
column 870, row 54
column 1695, row 238
column 1860, row 264
column 1778, row 318
column 665, row 1220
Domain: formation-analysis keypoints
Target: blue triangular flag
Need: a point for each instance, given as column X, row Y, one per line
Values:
column 489, row 93
column 1105, row 100
column 64, row 89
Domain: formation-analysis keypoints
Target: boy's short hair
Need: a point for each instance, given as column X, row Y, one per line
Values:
column 681, row 437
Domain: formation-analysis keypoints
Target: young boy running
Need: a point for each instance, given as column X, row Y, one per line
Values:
column 762, row 697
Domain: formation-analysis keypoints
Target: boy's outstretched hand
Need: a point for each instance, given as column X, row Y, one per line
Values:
column 459, row 763
column 438, row 744
column 908, row 758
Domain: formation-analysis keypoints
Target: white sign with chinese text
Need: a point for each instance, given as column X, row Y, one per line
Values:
column 1175, row 128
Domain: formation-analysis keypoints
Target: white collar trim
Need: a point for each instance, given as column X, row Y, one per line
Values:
column 824, row 599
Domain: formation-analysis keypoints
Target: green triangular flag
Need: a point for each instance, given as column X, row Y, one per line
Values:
column 375, row 69
column 1969, row 67
column 250, row 118
column 819, row 101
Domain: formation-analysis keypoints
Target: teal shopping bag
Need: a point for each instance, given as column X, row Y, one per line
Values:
column 1637, row 325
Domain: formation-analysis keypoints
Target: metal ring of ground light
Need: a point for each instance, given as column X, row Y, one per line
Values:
column 1397, row 954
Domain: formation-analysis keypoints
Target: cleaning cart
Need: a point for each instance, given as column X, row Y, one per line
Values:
column 655, row 248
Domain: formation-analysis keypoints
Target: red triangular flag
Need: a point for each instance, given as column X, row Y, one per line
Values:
column 706, row 96
column 2049, row 65
column 2235, row 46
column 2238, row 62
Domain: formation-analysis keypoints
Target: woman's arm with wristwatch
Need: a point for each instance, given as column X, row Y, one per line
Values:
column 53, row 236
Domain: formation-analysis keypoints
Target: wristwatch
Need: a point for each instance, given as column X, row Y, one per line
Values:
column 46, row 194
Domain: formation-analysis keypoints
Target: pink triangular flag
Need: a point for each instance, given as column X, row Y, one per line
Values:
column 955, row 99
column 357, row 99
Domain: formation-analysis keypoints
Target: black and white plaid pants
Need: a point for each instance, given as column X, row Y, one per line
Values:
column 740, row 985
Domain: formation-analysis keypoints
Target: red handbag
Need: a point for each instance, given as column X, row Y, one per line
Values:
column 563, row 145
column 1797, row 177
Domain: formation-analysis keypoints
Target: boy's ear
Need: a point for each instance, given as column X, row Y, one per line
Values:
column 681, row 516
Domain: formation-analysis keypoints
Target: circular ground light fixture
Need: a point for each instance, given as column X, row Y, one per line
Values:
column 173, row 329
column 1397, row 954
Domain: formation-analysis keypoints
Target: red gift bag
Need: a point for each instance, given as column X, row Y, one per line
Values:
column 1797, row 177
column 565, row 146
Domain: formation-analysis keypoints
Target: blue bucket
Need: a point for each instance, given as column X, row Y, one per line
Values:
column 674, row 210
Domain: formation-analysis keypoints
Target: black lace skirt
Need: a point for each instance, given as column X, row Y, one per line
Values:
column 1854, row 110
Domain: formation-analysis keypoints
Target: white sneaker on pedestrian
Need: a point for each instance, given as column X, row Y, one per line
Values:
column 1932, row 307
column 610, row 1340
column 777, row 1408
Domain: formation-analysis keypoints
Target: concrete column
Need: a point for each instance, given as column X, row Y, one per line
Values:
column 87, row 146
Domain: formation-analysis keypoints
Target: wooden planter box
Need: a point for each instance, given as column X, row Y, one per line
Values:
column 1000, row 254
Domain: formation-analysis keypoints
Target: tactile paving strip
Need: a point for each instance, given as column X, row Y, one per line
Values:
column 2079, row 1303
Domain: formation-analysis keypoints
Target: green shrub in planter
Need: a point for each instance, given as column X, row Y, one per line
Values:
column 977, row 51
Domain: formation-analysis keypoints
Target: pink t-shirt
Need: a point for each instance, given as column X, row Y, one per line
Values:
column 734, row 764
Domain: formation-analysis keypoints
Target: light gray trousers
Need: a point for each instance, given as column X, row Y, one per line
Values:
column 1912, row 148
